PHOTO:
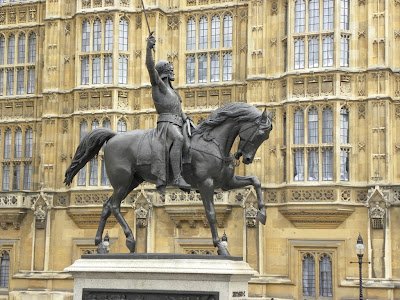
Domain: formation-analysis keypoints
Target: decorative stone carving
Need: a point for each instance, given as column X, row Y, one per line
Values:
column 327, row 85
column 251, row 215
column 40, row 217
column 312, row 195
column 173, row 22
column 361, row 146
column 141, row 217
column 345, row 85
column 361, row 33
column 362, row 196
column 2, row 17
column 298, row 87
column 397, row 148
column 272, row 91
column 361, row 111
column 272, row 196
column 274, row 8
column 345, row 195
column 284, row 90
column 361, row 84
column 313, row 86
column 22, row 15
column 90, row 199
column 397, row 111
column 12, row 16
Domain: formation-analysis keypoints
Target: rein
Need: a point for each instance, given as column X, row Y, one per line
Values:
column 236, row 155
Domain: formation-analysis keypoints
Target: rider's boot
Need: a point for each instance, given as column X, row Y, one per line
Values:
column 176, row 170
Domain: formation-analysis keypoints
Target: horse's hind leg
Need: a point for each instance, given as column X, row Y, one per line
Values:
column 105, row 213
column 242, row 181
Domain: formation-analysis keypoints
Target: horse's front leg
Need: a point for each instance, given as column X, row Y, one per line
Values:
column 242, row 181
column 207, row 196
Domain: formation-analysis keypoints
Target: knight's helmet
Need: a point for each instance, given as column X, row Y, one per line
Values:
column 163, row 68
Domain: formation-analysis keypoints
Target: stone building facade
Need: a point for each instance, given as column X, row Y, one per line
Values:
column 329, row 70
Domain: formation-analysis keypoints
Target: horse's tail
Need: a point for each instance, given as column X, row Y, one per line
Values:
column 87, row 149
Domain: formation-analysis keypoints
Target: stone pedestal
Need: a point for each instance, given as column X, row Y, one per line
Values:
column 160, row 276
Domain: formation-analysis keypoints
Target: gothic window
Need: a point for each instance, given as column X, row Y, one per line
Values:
column 327, row 164
column 31, row 80
column 190, row 69
column 215, row 32
column 300, row 16
column 85, row 70
column 299, row 53
column 4, row 269
column 203, row 33
column 344, row 126
column 85, row 36
column 313, row 15
column 16, row 176
column 123, row 69
column 2, row 48
column 123, row 35
column 299, row 165
column 228, row 27
column 27, row 176
column 325, row 276
column 18, row 143
column 344, row 50
column 328, row 15
column 108, row 37
column 191, row 35
column 313, row 52
column 298, row 137
column 107, row 123
column 96, row 69
column 327, row 125
column 202, row 68
column 21, row 48
column 10, row 82
column 214, row 67
column 11, row 50
column 97, row 35
column 313, row 126
column 28, row 142
column 93, row 171
column 95, row 124
column 327, row 51
column 20, row 81
column 308, row 276
column 344, row 15
column 108, row 69
column 7, row 144
column 32, row 48
column 6, row 177
column 121, row 126
column 227, row 67
column 313, row 165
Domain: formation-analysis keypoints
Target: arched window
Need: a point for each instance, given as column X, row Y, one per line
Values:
column 7, row 143
column 21, row 48
column 4, row 269
column 121, row 127
column 203, row 33
column 191, row 35
column 97, row 35
column 2, row 48
column 308, row 276
column 11, row 49
column 95, row 124
column 344, row 126
column 298, row 137
column 228, row 27
column 215, row 32
column 325, row 276
column 327, row 125
column 85, row 36
column 227, row 67
column 123, row 35
column 190, row 69
column 313, row 126
column 108, row 36
column 28, row 142
column 214, row 67
column 107, row 123
column 32, row 48
column 18, row 143
column 300, row 16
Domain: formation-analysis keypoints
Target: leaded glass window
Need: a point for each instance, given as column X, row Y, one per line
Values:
column 20, row 81
column 313, row 15
column 27, row 176
column 214, row 67
column 203, row 33
column 11, row 50
column 313, row 165
column 28, row 142
column 4, row 269
column 31, row 80
column 18, row 143
column 344, row 15
column 191, row 35
column 344, row 50
column 96, row 69
column 108, row 36
column 123, row 35
column 93, row 177
column 327, row 125
column 107, row 123
column 16, row 177
column 190, row 69
column 97, row 35
column 327, row 51
column 313, row 126
column 10, row 82
column 215, row 32
column 121, row 126
column 7, row 144
column 300, row 16
column 108, row 69
column 6, row 177
column 227, row 67
column 123, row 69
column 325, row 276
column 327, row 164
column 299, row 53
column 344, row 165
column 85, row 36
column 228, row 27
column 95, row 124
column 328, row 14
column 298, row 137
column 344, row 126
column 32, row 48
column 82, row 176
column 313, row 52
column 84, row 70
column 21, row 48
column 298, row 165
column 2, row 48
column 308, row 276
column 202, row 68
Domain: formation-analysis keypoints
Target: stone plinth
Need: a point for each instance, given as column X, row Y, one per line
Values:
column 155, row 276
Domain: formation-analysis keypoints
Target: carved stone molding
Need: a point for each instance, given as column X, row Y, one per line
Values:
column 316, row 217
column 88, row 217
column 312, row 195
column 12, row 216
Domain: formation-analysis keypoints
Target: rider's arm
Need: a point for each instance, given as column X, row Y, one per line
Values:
column 151, row 67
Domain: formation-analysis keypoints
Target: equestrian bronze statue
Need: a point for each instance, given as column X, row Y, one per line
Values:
column 134, row 157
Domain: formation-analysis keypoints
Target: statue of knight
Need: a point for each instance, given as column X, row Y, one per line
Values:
column 170, row 120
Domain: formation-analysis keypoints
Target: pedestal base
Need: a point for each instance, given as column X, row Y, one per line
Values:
column 160, row 276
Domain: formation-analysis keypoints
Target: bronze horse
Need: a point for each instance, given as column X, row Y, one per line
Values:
column 211, row 167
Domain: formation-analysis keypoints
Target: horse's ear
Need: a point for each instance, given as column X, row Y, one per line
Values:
column 264, row 116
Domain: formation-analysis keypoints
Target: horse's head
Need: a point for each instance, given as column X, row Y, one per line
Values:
column 251, row 135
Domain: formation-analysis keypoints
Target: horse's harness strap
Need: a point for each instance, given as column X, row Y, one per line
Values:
column 258, row 123
column 227, row 159
column 170, row 118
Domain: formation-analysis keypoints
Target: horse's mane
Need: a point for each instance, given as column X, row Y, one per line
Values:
column 240, row 111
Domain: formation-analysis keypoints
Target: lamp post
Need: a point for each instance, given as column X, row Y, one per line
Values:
column 360, row 248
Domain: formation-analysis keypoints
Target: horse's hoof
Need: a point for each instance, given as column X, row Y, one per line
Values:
column 262, row 217
column 222, row 250
column 131, row 245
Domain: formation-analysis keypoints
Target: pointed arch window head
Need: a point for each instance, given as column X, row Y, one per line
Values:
column 32, row 48
column 4, row 269
column 300, row 16
column 308, row 276
column 21, row 48
column 97, row 35
column 203, row 33
column 228, row 28
column 107, row 123
column 18, row 143
column 28, row 142
column 123, row 35
column 215, row 32
column 95, row 124
column 11, row 49
column 191, row 35
column 108, row 36
column 121, row 126
column 85, row 36
column 325, row 276
column 2, row 49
